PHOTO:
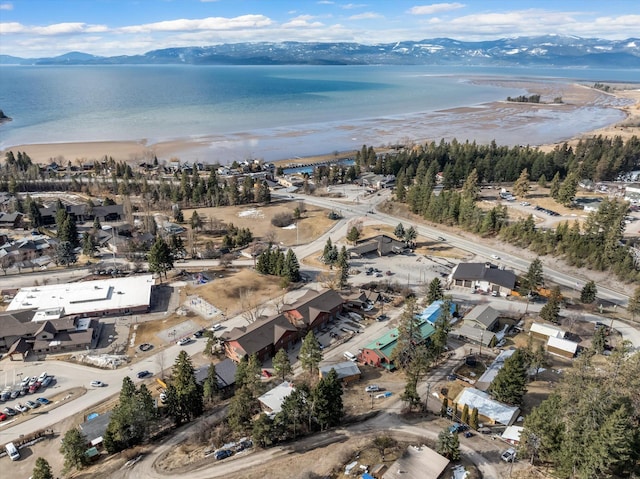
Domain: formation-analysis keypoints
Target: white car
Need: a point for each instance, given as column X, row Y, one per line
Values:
column 495, row 256
column 97, row 384
column 42, row 377
column 372, row 388
column 184, row 341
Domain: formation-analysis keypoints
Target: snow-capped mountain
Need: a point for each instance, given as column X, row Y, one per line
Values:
column 548, row 50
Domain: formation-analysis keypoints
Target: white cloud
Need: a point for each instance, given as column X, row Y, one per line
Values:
column 12, row 27
column 365, row 16
column 6, row 6
column 351, row 6
column 210, row 23
column 434, row 8
column 302, row 22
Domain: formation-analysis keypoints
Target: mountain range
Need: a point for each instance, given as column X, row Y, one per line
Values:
column 548, row 50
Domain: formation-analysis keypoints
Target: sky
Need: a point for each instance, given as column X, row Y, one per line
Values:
column 37, row 28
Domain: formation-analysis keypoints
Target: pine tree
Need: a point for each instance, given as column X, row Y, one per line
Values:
column 291, row 267
column 281, row 364
column 210, row 388
column 160, row 258
column 444, row 407
column 534, row 277
column 184, row 394
column 310, row 353
column 589, row 292
column 634, row 303
column 399, row 231
column 465, row 414
column 554, row 188
column 551, row 311
column 435, row 292
column 473, row 420
column 42, row 469
column 73, row 449
column 521, row 185
column 510, row 384
column 354, row 235
column 448, row 445
column 328, row 407
column 599, row 340
column 326, row 253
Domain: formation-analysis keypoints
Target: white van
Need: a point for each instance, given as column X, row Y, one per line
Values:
column 350, row 356
column 12, row 451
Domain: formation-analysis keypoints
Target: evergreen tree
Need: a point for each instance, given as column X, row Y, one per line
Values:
column 210, row 388
column 291, row 267
column 442, row 327
column 634, row 303
column 521, row 186
column 354, row 235
column 410, row 395
column 551, row 310
column 42, row 470
column 473, row 420
column 310, row 353
column 65, row 253
column 510, row 384
column 326, row 253
column 465, row 414
column 33, row 210
column 534, row 277
column 554, row 188
column 435, row 291
column 281, row 364
column 471, row 187
column 196, row 221
column 160, row 258
column 399, row 231
column 73, row 449
column 568, row 189
column 328, row 408
column 410, row 236
column 184, row 394
column 599, row 340
column 262, row 431
column 89, row 245
column 589, row 292
column 242, row 407
column 444, row 407
column 448, row 445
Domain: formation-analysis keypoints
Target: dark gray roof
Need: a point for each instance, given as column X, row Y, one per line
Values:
column 483, row 314
column 96, row 427
column 225, row 370
column 382, row 244
column 480, row 271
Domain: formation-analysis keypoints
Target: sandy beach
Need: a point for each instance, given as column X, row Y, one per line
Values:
column 478, row 122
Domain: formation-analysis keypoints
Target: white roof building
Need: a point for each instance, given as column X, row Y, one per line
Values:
column 273, row 399
column 512, row 434
column 418, row 463
column 88, row 298
column 562, row 347
column 540, row 329
column 346, row 369
column 489, row 375
column 495, row 411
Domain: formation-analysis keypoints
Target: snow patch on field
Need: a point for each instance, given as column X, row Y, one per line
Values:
column 290, row 227
column 252, row 213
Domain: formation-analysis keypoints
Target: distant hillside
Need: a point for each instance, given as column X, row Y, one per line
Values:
column 548, row 50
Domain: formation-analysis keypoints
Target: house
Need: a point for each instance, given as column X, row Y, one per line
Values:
column 11, row 220
column 266, row 336
column 432, row 312
column 110, row 296
column 483, row 276
column 482, row 316
column 544, row 331
column 489, row 410
column 474, row 335
column 382, row 245
column 562, row 347
column 225, row 372
column 491, row 372
column 272, row 400
column 419, row 462
column 379, row 352
column 347, row 371
column 29, row 331
column 95, row 428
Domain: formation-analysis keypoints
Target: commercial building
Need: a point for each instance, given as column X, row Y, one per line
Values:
column 483, row 277
column 347, row 371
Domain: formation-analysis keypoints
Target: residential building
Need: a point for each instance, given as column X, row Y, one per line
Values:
column 347, row 371
column 225, row 372
column 491, row 372
column 379, row 353
column 381, row 245
column 484, row 277
column 562, row 347
column 545, row 331
column 272, row 400
column 482, row 316
column 474, row 335
column 11, row 220
column 490, row 411
column 419, row 462
column 266, row 336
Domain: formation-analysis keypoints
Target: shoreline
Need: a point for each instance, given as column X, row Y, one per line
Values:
column 481, row 120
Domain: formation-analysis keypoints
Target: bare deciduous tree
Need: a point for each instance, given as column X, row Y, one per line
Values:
column 251, row 306
column 279, row 303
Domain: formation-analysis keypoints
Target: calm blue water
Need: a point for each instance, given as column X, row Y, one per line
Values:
column 271, row 112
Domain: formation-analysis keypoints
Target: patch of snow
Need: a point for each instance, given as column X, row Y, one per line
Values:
column 251, row 213
column 290, row 227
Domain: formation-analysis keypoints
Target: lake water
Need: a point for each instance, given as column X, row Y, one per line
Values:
column 272, row 112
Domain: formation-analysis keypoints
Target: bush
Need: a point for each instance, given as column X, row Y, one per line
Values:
column 282, row 219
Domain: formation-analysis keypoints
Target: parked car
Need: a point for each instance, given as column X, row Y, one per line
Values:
column 9, row 411
column 25, row 381
column 32, row 404
column 5, row 395
column 372, row 388
column 34, row 387
column 3, row 416
column 15, row 393
column 97, row 384
column 222, row 454
column 509, row 455
column 145, row 347
column 144, row 374
column 382, row 317
column 47, row 381
column 21, row 408
column 184, row 341
column 42, row 376
column 43, row 401
column 495, row 256
column 440, row 238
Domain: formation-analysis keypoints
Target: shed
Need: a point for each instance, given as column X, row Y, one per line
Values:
column 562, row 347
column 544, row 331
column 347, row 371
column 512, row 434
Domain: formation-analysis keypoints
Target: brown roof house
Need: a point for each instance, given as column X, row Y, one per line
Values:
column 382, row 245
column 266, row 336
